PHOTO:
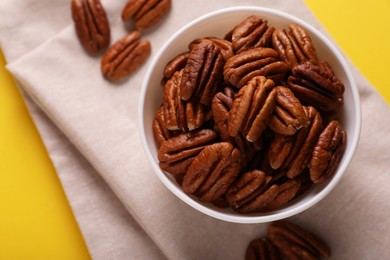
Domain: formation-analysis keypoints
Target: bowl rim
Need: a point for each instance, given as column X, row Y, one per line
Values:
column 249, row 218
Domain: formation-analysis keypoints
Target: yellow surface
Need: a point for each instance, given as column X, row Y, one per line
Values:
column 361, row 29
column 35, row 219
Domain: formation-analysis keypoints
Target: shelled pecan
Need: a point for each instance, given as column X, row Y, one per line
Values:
column 252, row 108
column 160, row 130
column 293, row 152
column 125, row 56
column 212, row 172
column 246, row 65
column 253, row 32
column 224, row 46
column 145, row 13
column 247, row 187
column 294, row 242
column 288, row 116
column 174, row 65
column 179, row 114
column 262, row 249
column 91, row 24
column 327, row 152
column 294, row 45
column 317, row 86
column 177, row 153
column 202, row 73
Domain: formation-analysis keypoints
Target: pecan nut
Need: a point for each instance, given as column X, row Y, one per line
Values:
column 294, row 242
column 177, row 153
column 202, row 73
column 212, row 172
column 288, row 116
column 160, row 131
column 91, row 24
column 262, row 249
column 179, row 114
column 242, row 67
column 294, row 45
column 220, row 106
column 252, row 108
column 274, row 197
column 293, row 152
column 224, row 46
column 317, row 86
column 176, row 64
column 125, row 56
column 245, row 188
column 253, row 32
column 146, row 13
column 327, row 153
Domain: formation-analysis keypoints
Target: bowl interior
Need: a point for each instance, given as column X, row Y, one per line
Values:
column 218, row 24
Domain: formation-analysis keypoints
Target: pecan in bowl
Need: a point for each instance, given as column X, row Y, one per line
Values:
column 271, row 144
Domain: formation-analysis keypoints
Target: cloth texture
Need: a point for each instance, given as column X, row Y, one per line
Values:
column 89, row 127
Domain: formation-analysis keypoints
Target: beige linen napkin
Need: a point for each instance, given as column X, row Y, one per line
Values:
column 100, row 120
column 109, row 230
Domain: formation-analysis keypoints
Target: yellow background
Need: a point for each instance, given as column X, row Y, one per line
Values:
column 36, row 221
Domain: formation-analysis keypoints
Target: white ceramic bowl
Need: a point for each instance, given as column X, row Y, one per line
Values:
column 217, row 24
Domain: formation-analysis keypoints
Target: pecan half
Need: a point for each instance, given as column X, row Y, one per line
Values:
column 91, row 24
column 294, row 242
column 317, row 86
column 262, row 249
column 246, row 187
column 294, row 45
column 242, row 67
column 253, row 32
column 224, row 46
column 125, row 56
column 220, row 106
column 213, row 171
column 274, row 197
column 177, row 153
column 252, row 108
column 179, row 114
column 327, row 153
column 160, row 131
column 293, row 152
column 174, row 65
column 202, row 73
column 146, row 13
column 288, row 116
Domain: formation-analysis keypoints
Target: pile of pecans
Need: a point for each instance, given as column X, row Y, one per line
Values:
column 286, row 240
column 128, row 53
column 250, row 121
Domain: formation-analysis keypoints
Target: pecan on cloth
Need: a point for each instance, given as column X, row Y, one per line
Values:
column 145, row 13
column 212, row 171
column 91, row 24
column 177, row 153
column 125, row 56
column 246, row 65
column 294, row 242
column 327, row 153
column 203, row 72
column 262, row 249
